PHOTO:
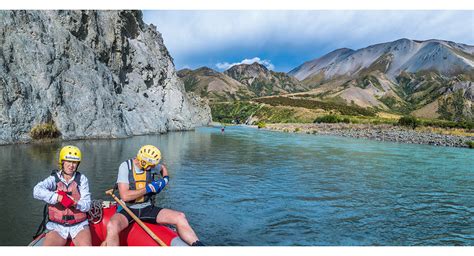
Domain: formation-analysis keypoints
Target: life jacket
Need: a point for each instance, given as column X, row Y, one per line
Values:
column 139, row 181
column 58, row 213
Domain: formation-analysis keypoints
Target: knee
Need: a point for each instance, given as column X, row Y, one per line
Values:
column 113, row 228
column 181, row 219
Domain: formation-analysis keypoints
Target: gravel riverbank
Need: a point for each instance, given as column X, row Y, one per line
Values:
column 381, row 132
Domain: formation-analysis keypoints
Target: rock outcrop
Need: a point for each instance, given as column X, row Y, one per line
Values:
column 94, row 74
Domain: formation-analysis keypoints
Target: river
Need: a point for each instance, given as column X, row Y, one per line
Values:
column 252, row 187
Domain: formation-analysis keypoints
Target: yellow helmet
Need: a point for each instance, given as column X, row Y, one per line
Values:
column 69, row 153
column 148, row 155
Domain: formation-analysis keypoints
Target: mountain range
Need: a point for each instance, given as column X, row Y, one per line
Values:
column 393, row 58
column 214, row 85
column 240, row 82
column 432, row 78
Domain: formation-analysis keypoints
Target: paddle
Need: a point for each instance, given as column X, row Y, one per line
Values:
column 142, row 225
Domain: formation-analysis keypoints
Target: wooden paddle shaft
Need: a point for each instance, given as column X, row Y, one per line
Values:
column 147, row 229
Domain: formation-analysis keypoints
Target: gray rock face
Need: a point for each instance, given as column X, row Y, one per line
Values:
column 93, row 73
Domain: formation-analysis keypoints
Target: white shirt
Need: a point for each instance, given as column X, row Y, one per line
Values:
column 46, row 191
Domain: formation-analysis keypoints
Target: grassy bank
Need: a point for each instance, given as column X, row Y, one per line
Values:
column 255, row 112
column 382, row 132
column 343, row 109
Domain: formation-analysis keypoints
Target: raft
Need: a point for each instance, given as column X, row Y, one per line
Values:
column 133, row 235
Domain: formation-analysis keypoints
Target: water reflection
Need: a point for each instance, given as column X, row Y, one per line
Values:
column 251, row 187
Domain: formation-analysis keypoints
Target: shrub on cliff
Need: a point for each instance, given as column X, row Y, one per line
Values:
column 409, row 121
column 44, row 131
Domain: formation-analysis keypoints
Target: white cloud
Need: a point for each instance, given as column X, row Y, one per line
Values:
column 190, row 31
column 226, row 65
column 208, row 37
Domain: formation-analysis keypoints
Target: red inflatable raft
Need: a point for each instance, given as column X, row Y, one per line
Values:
column 133, row 235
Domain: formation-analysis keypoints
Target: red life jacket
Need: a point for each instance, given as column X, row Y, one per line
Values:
column 58, row 213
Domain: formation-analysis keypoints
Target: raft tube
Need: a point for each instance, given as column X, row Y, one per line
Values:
column 133, row 235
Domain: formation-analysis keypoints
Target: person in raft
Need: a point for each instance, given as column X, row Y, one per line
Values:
column 137, row 187
column 66, row 191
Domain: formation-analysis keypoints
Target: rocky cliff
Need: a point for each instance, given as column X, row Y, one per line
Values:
column 91, row 73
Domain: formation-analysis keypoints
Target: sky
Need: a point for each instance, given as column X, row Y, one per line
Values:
column 283, row 39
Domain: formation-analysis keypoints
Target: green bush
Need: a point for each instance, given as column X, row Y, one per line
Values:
column 237, row 111
column 355, row 120
column 297, row 129
column 328, row 119
column 470, row 144
column 449, row 124
column 376, row 121
column 409, row 121
column 261, row 124
column 44, row 131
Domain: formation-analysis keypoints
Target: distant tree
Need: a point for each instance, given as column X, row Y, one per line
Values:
column 452, row 107
column 409, row 121
column 444, row 108
column 328, row 119
column 470, row 144
column 458, row 102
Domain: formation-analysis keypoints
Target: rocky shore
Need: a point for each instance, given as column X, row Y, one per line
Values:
column 381, row 132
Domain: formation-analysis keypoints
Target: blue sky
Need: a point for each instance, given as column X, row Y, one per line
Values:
column 282, row 40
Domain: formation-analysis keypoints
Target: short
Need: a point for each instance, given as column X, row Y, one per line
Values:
column 67, row 231
column 146, row 214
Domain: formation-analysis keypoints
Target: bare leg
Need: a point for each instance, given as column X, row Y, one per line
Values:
column 83, row 238
column 52, row 238
column 167, row 216
column 117, row 223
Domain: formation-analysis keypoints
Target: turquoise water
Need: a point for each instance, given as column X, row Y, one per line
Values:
column 254, row 187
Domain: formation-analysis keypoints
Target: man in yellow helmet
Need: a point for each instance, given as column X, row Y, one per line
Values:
column 137, row 186
column 66, row 191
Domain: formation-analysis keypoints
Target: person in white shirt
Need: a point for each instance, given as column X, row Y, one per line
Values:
column 66, row 191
